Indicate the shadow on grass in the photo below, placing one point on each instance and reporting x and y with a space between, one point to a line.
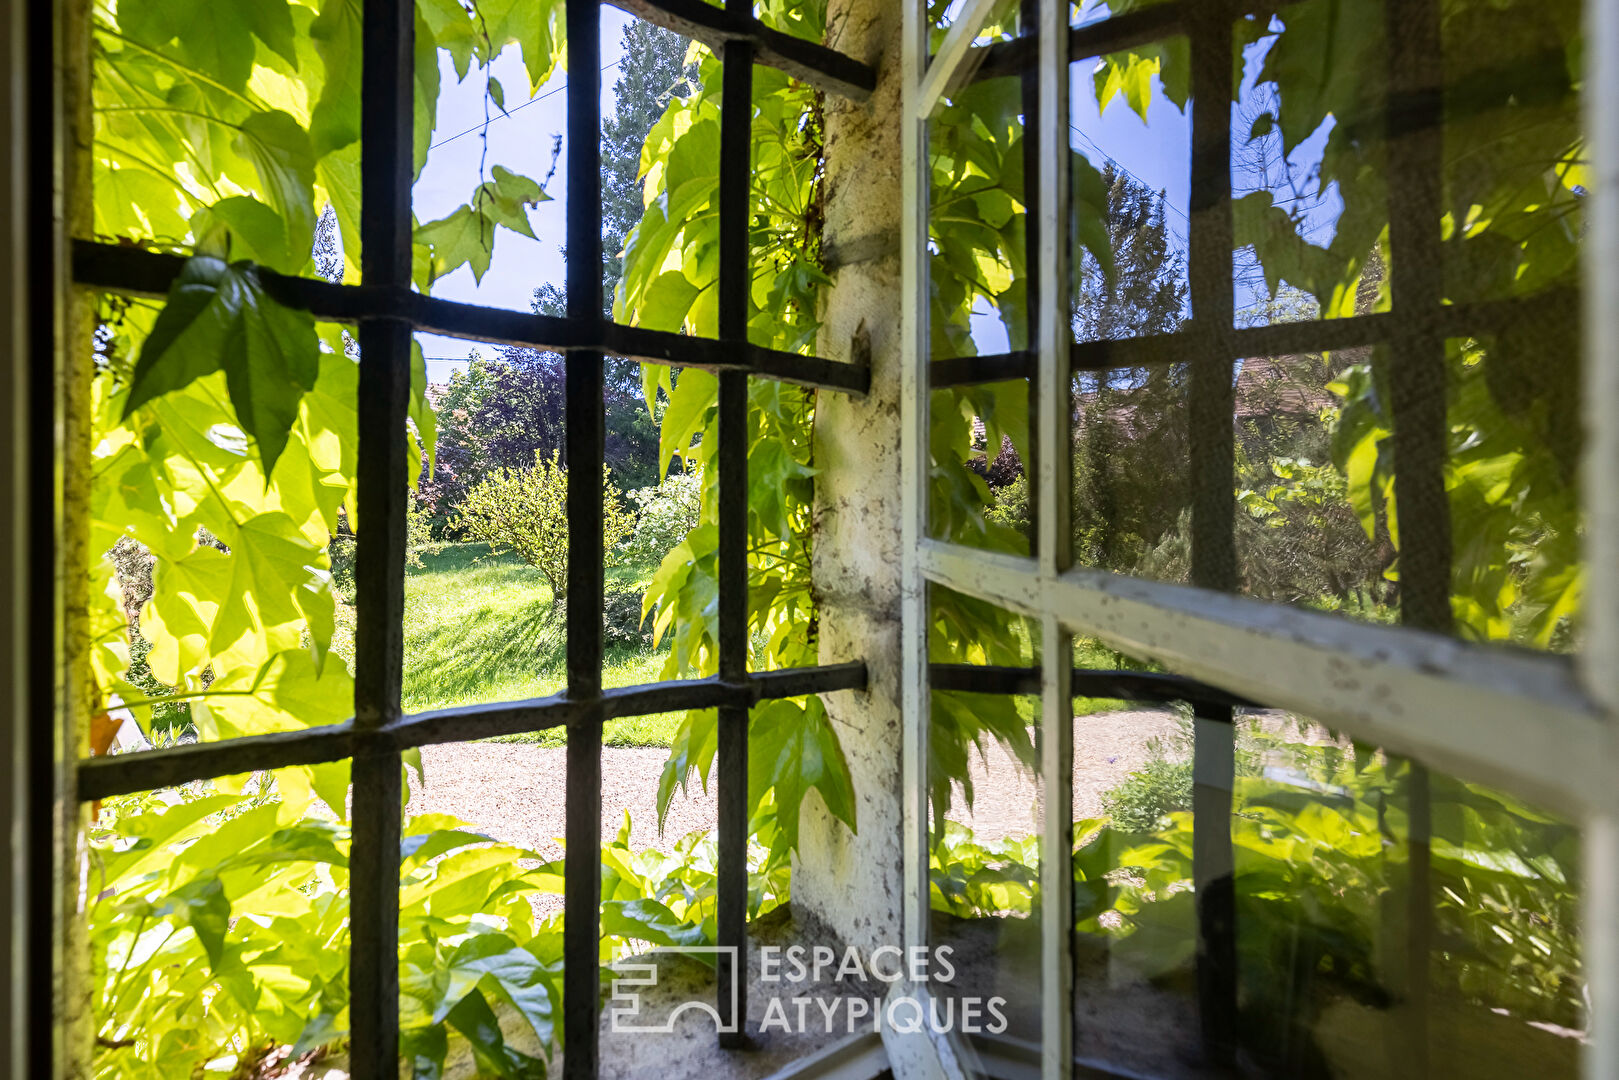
462 660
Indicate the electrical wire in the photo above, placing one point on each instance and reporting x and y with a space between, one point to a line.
507 112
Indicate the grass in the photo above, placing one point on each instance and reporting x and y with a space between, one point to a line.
482 628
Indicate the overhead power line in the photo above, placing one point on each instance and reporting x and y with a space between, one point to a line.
507 112
1120 166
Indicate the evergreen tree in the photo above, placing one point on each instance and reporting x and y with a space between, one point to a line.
1130 475
654 68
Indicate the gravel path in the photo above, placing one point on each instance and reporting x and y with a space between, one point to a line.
514 792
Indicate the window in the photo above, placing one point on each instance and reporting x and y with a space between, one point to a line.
387 310
1436 687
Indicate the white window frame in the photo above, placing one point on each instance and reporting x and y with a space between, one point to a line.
1538 724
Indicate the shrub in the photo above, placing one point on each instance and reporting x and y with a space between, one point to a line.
526 511
664 515
621 618
1160 787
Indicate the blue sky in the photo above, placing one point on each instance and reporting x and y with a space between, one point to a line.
522 142
1156 152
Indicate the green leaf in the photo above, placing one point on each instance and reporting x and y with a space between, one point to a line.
337 32
505 200
792 748
497 94
648 920
202 905
244 228
466 236
280 152
219 318
476 1022
214 36
695 394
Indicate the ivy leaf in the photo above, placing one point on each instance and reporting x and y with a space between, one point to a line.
466 236
497 94
505 199
213 36
694 395
451 30
280 152
219 318
425 90
203 906
244 227
335 120
792 748
535 25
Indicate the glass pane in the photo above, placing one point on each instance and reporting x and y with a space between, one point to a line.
1515 156
1304 535
206 140
220 521
1309 164
1130 133
979 490
1132 472
977 221
1338 972
1135 905
985 799
1511 475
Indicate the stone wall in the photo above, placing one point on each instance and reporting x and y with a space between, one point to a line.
852 884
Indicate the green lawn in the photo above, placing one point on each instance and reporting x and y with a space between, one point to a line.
481 628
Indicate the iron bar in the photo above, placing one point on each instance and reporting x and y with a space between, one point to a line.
1214 878
1150 686
44 791
1276 339
136 272
719 28
1414 114
1035 316
581 926
1138 27
731 765
1211 418
123 774
386 172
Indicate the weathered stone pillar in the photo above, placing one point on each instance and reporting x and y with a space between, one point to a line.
853 883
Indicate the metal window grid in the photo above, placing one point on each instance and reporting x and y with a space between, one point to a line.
1537 723
387 311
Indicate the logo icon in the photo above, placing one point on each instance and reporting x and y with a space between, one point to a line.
624 1012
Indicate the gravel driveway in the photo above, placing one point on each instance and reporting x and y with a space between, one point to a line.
514 792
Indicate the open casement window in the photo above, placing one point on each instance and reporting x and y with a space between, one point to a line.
382 311
1276 358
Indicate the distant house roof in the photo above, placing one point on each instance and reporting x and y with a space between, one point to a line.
1282 386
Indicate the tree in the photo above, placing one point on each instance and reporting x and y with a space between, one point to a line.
653 70
526 511
507 408
495 415
1142 288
